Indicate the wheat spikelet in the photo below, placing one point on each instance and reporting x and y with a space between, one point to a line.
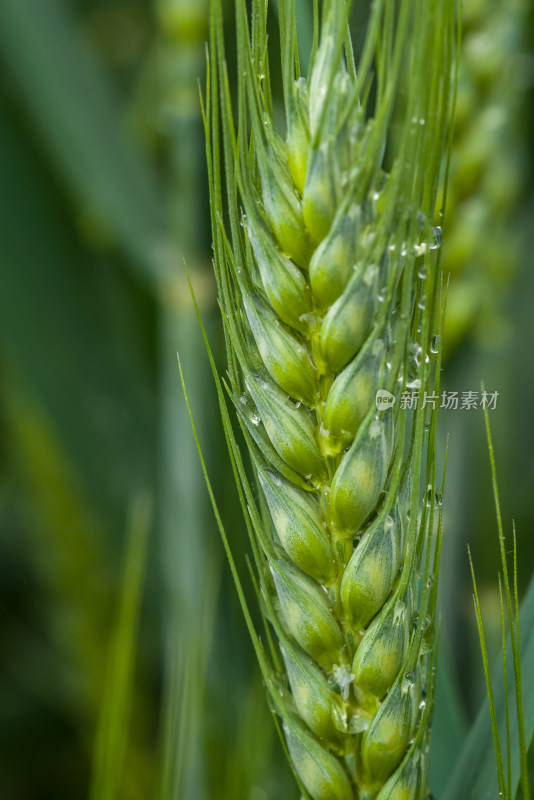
326 268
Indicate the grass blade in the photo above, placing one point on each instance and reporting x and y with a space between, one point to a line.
513 622
491 701
475 775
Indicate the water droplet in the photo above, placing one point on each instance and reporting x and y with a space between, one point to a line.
358 722
409 681
399 610
434 497
255 419
415 384
434 347
418 356
437 235
422 273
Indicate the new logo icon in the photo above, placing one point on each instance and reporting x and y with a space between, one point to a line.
384 399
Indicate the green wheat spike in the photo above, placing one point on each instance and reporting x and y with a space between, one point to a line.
327 270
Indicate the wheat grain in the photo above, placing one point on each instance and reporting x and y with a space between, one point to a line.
328 291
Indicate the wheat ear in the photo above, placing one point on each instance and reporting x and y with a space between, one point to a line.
326 269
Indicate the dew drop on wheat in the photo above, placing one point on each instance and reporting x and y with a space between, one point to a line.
409 681
433 497
434 347
418 356
437 236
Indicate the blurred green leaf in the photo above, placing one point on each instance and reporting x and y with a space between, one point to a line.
74 334
75 116
112 735
449 724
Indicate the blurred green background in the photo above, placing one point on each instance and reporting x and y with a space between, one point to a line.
125 668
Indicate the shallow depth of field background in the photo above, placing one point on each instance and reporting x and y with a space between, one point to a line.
102 196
